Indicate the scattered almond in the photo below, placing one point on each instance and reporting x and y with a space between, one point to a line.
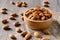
3 12
4 9
27 36
4 21
12 18
12 36
13 14
18 30
44 38
11 2
23 33
18 4
46 32
16 23
22 17
5 27
45 5
37 34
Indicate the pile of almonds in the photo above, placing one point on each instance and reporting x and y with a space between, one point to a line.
38 13
19 4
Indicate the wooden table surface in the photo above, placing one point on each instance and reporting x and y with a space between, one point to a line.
54 28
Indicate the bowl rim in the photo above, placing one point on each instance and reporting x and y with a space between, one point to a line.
39 20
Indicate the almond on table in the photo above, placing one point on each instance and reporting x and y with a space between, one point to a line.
12 36
4 9
11 2
4 21
5 27
46 2
44 38
45 5
37 34
23 33
18 4
12 18
18 30
13 14
28 36
3 12
24 4
22 17
47 32
16 23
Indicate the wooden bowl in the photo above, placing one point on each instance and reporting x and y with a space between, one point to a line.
38 25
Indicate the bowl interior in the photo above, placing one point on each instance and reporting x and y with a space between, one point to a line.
40 20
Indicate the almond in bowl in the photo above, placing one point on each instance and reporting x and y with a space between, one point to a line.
38 18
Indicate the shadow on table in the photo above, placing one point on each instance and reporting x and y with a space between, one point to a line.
55 28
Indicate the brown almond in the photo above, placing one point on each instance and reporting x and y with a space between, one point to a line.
12 18
43 9
5 27
16 23
4 21
27 36
11 2
18 4
33 18
12 36
44 38
43 18
28 13
22 17
3 12
30 16
35 14
46 2
46 32
48 15
21 14
4 9
23 5
41 14
23 33
37 34
45 12
45 5
13 14
18 30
